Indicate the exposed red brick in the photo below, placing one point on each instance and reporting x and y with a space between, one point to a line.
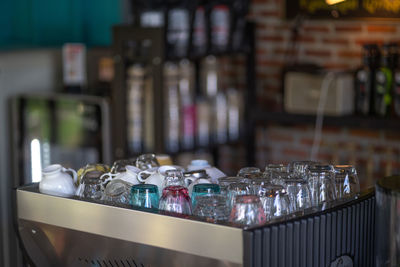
279 137
307 141
306 39
364 133
381 28
331 130
392 136
319 29
273 38
350 54
298 153
362 41
349 28
283 51
267 13
335 41
269 62
318 53
336 66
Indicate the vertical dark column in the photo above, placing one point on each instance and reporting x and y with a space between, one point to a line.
250 98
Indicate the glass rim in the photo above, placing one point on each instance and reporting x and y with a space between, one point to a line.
144 188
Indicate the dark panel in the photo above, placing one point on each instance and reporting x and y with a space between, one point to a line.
282 245
344 231
267 247
353 231
248 249
274 246
349 227
316 241
339 228
362 234
289 244
334 236
328 238
322 232
303 243
357 236
296 244
258 248
310 240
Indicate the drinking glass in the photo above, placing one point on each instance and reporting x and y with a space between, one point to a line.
92 171
237 189
119 165
147 161
321 182
299 168
175 198
279 178
346 181
247 211
249 172
173 177
274 168
117 191
226 181
212 207
203 189
256 184
298 193
90 187
144 195
275 201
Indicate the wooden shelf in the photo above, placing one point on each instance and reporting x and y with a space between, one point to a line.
351 121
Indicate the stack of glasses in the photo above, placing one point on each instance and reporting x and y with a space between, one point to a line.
251 198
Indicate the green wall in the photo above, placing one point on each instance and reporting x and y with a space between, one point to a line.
45 23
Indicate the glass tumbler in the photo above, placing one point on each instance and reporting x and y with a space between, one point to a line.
117 191
226 181
298 193
274 168
92 171
237 189
203 189
321 183
248 211
249 172
346 181
147 161
144 196
175 198
90 187
119 165
212 207
275 201
173 177
299 168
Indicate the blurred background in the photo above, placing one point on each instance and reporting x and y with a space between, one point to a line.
239 83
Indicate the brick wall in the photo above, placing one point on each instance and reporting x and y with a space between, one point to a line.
333 44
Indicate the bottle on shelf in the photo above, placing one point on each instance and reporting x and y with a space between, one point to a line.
178 32
220 20
74 67
383 83
365 79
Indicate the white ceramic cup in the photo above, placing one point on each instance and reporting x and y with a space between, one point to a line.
57 182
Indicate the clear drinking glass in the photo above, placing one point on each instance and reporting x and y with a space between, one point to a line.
298 193
173 177
279 178
203 189
256 184
147 161
212 207
321 183
117 191
346 181
272 168
237 189
175 198
247 211
90 187
144 195
92 171
226 181
119 165
275 201
299 168
249 172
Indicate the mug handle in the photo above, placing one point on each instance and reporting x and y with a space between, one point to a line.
110 176
73 174
139 176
